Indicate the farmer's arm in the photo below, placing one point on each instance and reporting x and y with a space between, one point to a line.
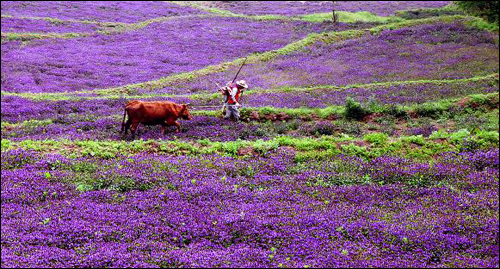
223 90
233 93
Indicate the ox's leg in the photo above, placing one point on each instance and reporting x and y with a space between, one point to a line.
176 123
163 130
171 122
133 128
123 121
127 125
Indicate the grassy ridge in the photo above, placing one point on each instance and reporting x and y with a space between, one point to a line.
493 78
368 146
344 16
350 17
290 48
106 28
31 36
373 145
428 109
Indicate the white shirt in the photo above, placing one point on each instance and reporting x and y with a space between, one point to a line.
233 92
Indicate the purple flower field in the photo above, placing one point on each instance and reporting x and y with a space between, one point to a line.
291 8
103 11
158 50
259 217
43 26
380 150
419 53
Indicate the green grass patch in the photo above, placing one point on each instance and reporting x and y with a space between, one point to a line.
32 36
343 16
413 23
350 17
422 13
379 144
27 124
484 25
376 138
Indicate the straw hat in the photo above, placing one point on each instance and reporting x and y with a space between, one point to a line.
242 83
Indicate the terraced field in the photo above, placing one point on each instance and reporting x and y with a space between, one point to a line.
368 143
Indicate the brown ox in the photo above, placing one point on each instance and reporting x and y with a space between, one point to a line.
153 113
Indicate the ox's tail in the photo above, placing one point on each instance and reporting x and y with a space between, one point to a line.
123 121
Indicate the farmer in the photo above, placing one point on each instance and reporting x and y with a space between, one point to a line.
232 92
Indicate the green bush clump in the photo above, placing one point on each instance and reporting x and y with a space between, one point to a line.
249 133
5 144
324 128
489 101
414 139
354 150
427 13
376 138
432 110
354 109
476 140
397 111
485 9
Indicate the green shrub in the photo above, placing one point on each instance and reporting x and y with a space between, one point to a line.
485 9
5 144
488 137
482 24
263 147
432 110
376 138
427 13
415 139
397 111
373 105
354 150
459 136
470 122
354 109
280 127
294 124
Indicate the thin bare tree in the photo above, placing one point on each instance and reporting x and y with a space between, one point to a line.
335 17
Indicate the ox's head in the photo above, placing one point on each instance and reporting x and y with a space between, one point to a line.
185 112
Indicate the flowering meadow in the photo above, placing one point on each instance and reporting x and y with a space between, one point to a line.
157 50
290 8
372 142
434 51
99 11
